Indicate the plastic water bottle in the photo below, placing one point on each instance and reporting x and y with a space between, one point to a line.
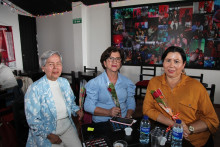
145 130
177 135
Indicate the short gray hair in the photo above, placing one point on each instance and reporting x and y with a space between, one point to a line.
46 55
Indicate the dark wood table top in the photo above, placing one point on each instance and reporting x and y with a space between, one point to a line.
105 130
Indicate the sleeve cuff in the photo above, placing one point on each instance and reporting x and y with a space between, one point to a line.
211 128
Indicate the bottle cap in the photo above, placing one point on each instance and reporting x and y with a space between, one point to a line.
178 121
145 117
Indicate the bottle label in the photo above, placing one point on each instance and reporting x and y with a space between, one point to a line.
177 135
145 130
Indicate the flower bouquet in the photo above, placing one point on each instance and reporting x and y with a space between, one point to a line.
111 89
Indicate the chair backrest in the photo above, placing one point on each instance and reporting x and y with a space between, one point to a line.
200 78
33 75
69 76
82 76
151 71
86 77
72 77
90 69
211 91
17 72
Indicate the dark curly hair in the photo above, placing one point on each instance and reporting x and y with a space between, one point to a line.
107 53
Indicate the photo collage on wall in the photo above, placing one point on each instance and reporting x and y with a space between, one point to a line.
145 32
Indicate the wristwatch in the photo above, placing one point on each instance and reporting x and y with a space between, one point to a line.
191 129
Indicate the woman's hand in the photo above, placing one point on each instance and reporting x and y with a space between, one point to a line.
80 114
54 139
115 111
129 113
186 131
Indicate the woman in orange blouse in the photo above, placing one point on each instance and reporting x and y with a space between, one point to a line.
184 95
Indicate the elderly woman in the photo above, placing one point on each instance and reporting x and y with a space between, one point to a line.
184 95
99 101
49 103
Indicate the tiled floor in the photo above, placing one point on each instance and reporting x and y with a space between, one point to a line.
138 113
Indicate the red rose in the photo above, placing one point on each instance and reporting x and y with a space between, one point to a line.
159 92
155 94
109 89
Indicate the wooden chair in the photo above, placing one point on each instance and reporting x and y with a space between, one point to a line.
70 75
148 72
211 91
200 78
85 76
33 75
17 72
90 69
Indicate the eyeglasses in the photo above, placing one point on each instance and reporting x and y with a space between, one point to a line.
52 65
117 59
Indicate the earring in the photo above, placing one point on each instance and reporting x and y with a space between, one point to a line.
183 72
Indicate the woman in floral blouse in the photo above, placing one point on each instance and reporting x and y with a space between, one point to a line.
49 103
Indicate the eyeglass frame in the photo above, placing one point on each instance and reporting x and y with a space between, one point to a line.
112 59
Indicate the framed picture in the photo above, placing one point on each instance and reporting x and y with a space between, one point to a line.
7 46
144 32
